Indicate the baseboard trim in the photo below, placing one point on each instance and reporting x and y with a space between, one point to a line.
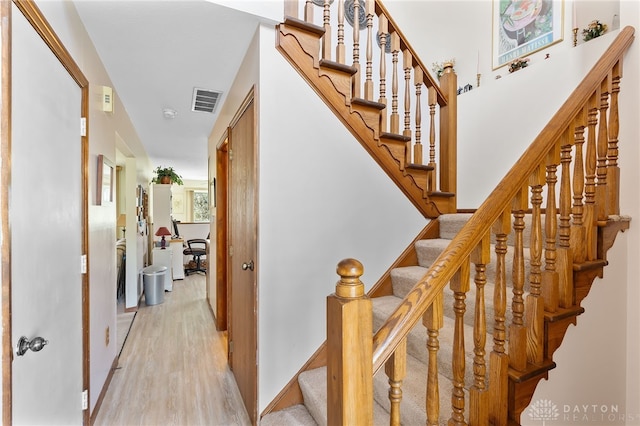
103 392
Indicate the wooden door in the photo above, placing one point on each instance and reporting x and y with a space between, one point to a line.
242 259
47 233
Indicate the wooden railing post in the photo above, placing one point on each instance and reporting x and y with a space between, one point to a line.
349 349
449 131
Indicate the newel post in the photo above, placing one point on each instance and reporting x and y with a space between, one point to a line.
349 349
449 132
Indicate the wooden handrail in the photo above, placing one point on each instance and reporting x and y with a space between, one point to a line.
410 311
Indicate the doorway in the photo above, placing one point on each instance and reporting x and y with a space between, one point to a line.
237 249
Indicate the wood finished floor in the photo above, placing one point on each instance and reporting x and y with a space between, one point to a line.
173 368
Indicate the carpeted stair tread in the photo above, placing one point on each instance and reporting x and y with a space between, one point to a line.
404 278
313 384
450 224
429 250
297 415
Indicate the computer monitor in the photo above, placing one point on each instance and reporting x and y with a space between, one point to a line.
175 229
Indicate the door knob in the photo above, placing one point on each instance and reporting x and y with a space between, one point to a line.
246 266
35 345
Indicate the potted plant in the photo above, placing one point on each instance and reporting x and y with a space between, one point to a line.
166 175
595 29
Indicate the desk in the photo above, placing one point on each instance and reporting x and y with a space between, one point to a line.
177 264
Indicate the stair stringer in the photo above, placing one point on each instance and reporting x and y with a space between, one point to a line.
522 385
298 42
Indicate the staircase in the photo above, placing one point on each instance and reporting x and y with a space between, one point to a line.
313 382
465 323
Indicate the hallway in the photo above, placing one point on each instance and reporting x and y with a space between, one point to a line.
173 369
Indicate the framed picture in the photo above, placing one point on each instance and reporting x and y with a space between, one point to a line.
522 27
104 188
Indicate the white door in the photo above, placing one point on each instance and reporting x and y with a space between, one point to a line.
46 232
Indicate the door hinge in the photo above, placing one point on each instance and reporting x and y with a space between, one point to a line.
231 346
83 126
230 250
230 154
85 399
83 264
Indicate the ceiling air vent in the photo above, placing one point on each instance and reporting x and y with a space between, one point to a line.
205 100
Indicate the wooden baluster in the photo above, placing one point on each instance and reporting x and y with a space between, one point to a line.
565 255
432 139
499 360
613 171
433 320
478 394
534 305
589 217
603 143
291 8
418 79
460 286
383 32
341 56
517 329
408 65
368 83
549 283
577 240
355 80
326 37
308 11
396 370
349 349
601 162
395 50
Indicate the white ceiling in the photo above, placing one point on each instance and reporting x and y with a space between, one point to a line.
156 53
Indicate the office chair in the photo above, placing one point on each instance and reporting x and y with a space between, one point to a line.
197 248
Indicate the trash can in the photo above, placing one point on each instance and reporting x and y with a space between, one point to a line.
153 280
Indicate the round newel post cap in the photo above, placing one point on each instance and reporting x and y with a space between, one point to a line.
447 67
350 286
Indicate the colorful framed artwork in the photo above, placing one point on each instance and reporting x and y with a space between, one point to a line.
522 27
104 188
